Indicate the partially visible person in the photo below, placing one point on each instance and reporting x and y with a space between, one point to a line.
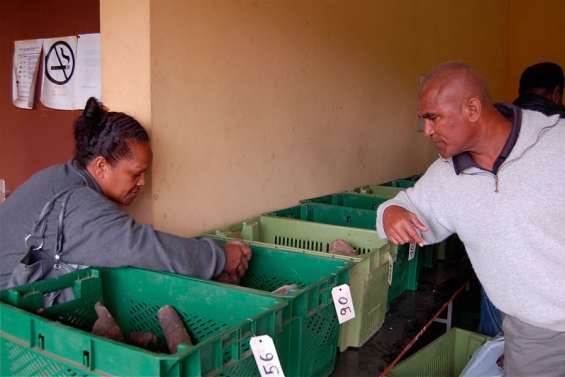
485 186
541 89
69 216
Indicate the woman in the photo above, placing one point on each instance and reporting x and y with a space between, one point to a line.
68 216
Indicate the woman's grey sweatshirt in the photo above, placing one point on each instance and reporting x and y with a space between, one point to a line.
96 231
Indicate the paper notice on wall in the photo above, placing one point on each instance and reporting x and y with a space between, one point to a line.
57 85
87 80
24 71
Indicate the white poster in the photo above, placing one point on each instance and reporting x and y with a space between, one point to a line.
87 80
24 71
59 63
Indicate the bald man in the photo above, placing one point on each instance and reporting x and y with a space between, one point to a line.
499 183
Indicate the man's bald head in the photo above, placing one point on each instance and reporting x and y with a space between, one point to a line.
455 81
454 105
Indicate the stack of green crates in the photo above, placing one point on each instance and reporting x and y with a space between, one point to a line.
359 210
367 278
220 320
310 330
405 272
447 356
403 182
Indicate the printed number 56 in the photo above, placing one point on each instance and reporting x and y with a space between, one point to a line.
272 369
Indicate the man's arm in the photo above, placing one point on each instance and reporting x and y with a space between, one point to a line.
415 215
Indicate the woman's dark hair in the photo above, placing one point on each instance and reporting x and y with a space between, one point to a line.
99 132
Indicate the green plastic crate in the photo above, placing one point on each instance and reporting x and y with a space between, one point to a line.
330 214
348 199
405 272
220 320
447 356
429 253
367 278
387 192
309 348
403 182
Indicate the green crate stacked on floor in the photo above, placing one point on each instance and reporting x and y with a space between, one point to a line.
220 320
359 210
310 329
447 356
368 277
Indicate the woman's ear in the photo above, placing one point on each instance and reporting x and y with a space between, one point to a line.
99 167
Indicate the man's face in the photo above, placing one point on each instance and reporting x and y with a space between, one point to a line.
123 180
444 121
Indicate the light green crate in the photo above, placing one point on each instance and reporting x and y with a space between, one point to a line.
444 357
368 277
387 192
310 329
221 320
406 272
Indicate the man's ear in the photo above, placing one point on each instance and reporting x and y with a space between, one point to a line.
472 109
557 95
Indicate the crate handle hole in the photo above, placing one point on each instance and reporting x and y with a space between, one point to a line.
86 358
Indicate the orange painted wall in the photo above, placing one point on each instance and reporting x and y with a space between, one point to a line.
258 104
536 33
34 139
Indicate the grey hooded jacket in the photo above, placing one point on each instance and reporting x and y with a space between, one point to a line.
96 232
512 223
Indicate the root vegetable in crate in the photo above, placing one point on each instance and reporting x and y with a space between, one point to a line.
283 290
106 326
172 325
173 328
342 247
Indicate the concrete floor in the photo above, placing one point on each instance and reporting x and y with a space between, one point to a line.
410 312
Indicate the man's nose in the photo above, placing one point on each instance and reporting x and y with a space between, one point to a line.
141 180
428 128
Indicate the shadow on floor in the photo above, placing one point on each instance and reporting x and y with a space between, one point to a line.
410 312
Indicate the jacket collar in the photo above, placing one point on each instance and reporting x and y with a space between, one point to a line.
85 176
464 160
533 125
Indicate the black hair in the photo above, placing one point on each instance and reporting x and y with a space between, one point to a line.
99 132
544 75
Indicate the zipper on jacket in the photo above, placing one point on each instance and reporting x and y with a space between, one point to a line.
488 173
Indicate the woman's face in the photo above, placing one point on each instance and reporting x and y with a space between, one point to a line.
122 181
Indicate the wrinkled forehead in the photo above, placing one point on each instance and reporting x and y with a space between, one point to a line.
427 99
437 95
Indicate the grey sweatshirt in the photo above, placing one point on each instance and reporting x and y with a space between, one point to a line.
96 231
512 223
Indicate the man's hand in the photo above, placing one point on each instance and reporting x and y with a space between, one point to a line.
402 226
238 254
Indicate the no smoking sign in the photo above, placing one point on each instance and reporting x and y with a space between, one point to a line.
60 63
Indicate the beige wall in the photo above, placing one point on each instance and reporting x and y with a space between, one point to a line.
126 74
254 105
536 33
257 104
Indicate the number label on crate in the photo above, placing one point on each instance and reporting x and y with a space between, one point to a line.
390 269
343 303
265 355
411 251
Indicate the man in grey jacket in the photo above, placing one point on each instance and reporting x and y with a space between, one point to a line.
69 216
498 184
